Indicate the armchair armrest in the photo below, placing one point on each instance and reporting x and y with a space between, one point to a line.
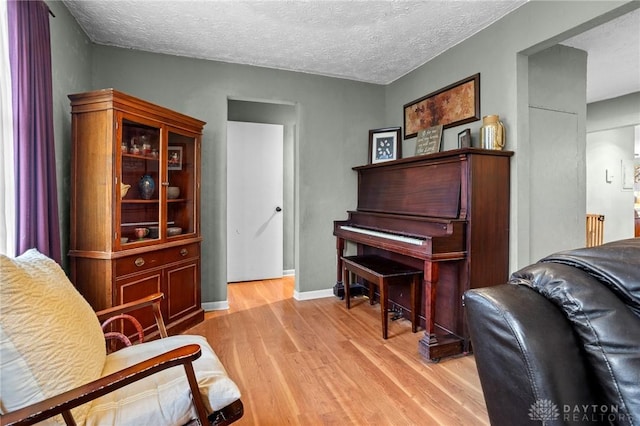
152 300
63 403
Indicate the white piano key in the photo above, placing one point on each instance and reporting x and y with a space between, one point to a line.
387 235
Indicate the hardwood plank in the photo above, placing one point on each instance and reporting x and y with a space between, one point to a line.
316 363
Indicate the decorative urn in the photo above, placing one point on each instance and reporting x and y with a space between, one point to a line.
146 186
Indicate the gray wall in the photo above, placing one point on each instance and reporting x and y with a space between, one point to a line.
269 113
608 151
501 53
557 114
614 113
71 73
612 127
333 118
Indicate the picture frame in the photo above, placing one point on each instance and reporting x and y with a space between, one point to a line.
464 138
384 145
174 158
456 104
429 140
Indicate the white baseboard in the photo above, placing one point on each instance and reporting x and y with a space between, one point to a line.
215 306
288 272
310 295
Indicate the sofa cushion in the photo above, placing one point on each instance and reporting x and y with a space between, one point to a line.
163 398
51 340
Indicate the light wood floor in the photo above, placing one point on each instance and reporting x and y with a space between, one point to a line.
315 363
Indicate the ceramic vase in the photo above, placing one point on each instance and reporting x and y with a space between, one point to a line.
146 186
492 133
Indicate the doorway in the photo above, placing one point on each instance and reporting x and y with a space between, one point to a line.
254 201
284 114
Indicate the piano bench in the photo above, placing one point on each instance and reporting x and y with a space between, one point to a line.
382 272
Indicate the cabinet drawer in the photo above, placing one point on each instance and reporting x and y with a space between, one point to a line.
175 254
153 259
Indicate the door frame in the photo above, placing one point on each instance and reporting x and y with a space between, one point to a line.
292 173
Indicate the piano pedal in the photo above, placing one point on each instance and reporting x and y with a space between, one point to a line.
397 313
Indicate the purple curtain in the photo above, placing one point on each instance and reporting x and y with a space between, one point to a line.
37 223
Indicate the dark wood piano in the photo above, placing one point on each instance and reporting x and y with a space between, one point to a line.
445 213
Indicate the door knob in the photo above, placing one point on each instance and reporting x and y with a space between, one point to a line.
278 209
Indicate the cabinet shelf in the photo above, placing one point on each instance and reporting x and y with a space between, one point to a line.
140 156
140 201
155 200
145 223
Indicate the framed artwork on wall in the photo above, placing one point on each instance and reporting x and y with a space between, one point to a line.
456 104
384 145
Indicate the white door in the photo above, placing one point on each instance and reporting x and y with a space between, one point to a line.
254 201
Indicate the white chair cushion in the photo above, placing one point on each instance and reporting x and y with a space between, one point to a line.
50 338
163 398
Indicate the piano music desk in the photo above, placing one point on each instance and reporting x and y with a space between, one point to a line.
382 272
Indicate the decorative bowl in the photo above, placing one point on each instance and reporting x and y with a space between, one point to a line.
173 230
173 192
124 240
154 232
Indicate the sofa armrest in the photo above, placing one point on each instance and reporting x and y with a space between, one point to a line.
526 353
63 403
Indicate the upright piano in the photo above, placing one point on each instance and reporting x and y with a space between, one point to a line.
445 213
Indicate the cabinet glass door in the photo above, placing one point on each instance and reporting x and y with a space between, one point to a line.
140 182
181 187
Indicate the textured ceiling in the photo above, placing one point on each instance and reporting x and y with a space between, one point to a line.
370 41
375 41
613 61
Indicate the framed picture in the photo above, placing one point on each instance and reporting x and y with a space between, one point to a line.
456 104
175 158
429 140
464 138
384 145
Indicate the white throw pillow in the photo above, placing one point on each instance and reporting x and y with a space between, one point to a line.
51 340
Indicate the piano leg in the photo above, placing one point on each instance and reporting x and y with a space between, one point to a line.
347 286
431 347
338 289
430 282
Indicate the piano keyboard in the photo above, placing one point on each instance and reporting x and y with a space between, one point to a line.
395 237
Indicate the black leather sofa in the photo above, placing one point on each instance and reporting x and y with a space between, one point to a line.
560 343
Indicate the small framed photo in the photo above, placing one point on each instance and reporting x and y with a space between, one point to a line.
384 145
429 140
175 158
464 138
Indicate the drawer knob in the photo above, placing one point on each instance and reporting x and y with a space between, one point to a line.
139 261
184 252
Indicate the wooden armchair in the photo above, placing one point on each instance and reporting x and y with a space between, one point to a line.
53 360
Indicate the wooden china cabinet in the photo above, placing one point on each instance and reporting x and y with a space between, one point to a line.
132 232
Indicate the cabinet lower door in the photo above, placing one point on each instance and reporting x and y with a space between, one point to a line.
136 287
183 290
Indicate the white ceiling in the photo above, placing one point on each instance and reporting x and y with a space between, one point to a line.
370 41
376 41
613 61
